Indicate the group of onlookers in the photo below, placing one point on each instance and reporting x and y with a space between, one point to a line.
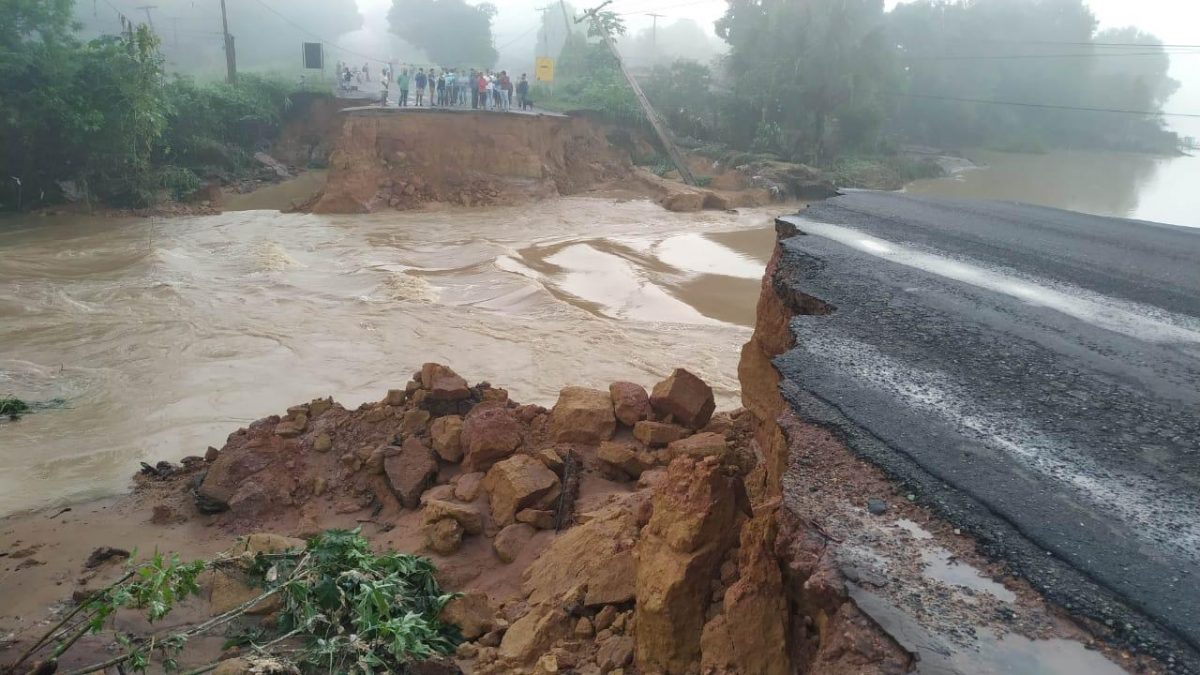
452 87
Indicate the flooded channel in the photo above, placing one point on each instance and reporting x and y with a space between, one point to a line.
164 335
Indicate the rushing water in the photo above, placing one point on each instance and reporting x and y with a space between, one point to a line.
164 335
1125 185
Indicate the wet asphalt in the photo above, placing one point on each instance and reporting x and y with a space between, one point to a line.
1031 374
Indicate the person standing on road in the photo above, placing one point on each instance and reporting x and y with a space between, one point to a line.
473 83
441 89
522 91
507 89
419 81
432 87
367 71
402 84
482 89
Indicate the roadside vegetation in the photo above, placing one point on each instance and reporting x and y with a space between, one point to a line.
101 121
341 609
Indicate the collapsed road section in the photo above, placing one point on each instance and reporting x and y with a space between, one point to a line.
1031 375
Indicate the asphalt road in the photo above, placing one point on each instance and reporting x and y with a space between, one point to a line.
1034 375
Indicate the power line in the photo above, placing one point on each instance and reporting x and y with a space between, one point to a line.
514 40
1045 106
1008 57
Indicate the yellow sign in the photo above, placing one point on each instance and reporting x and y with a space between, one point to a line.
543 69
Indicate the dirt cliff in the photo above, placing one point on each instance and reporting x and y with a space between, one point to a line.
401 160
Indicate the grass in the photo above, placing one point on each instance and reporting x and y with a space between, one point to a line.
888 172
13 407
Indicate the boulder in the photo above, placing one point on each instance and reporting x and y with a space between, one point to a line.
658 434
700 446
322 443
511 540
616 652
541 519
533 634
517 483
597 554
679 555
468 485
489 434
443 384
624 459
466 515
395 397
443 536
229 586
685 397
630 402
583 416
551 458
445 434
411 471
473 613
437 493
414 421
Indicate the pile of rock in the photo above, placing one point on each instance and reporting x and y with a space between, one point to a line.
638 580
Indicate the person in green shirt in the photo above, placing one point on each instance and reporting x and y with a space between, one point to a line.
402 82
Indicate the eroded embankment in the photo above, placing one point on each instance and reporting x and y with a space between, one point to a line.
404 159
859 551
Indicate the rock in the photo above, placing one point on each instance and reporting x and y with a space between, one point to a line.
436 493
542 520
551 458
468 516
630 402
546 665
234 666
624 459
679 554
658 434
604 618
877 507
533 634
597 554
492 639
395 397
489 434
443 384
584 628
511 540
616 652
583 416
211 454
517 483
528 413
750 635
411 471
700 446
467 487
466 650
443 536
229 586
292 427
277 167
685 397
414 422
319 406
102 555
445 434
473 613
375 461
322 443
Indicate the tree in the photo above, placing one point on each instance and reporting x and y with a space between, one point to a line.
451 32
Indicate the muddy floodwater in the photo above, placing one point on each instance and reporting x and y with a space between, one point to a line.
164 335
1122 185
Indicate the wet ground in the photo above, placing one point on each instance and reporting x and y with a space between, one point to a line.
1030 374
163 335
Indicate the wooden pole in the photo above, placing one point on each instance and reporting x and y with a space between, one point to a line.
660 129
230 52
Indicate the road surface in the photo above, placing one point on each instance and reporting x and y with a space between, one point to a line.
1034 375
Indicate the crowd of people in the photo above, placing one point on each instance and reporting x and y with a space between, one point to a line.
450 87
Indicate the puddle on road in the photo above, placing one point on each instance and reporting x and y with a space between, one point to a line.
941 564
1017 654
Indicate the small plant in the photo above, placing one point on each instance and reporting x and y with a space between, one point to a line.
344 610
13 407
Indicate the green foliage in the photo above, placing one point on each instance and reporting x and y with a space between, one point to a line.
359 612
451 32
12 407
880 172
606 23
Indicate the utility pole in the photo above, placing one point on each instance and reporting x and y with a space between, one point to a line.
146 9
660 129
566 19
654 30
230 52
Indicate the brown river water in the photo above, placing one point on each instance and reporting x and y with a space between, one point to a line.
164 335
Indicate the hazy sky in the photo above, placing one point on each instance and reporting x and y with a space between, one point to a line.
1173 21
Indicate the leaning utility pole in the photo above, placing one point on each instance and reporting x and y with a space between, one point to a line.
654 30
230 53
659 129
146 9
